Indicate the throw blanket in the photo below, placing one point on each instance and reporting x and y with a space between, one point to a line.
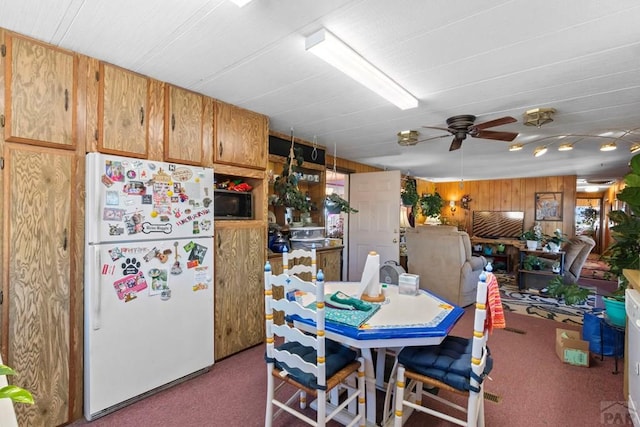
495 316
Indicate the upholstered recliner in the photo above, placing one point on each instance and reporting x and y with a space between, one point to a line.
576 249
441 255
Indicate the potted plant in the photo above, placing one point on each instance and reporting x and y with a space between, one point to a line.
285 186
623 252
532 237
336 204
554 242
409 193
431 204
569 292
13 392
531 262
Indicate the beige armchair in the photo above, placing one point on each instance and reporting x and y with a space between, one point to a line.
441 255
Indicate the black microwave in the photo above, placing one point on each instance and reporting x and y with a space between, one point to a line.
232 205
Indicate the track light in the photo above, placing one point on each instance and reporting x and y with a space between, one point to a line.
334 51
565 147
608 146
634 148
516 147
539 151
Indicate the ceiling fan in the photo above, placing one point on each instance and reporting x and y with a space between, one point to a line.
460 127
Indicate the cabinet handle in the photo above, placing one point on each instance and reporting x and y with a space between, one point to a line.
173 121
2 120
64 240
219 242
220 149
141 116
66 100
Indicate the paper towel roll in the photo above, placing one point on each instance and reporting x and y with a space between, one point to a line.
370 282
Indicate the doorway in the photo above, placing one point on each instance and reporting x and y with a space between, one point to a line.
588 220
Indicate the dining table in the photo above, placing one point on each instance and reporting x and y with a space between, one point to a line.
420 318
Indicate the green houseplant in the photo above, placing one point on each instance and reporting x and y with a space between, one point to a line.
431 204
336 204
285 186
569 292
13 392
409 193
623 252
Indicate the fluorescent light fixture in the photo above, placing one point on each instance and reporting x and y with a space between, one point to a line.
240 3
539 151
332 50
608 146
634 148
565 147
516 147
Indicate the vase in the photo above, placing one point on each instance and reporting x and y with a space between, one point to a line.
288 215
532 245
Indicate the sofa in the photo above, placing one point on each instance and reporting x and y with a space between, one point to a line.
441 256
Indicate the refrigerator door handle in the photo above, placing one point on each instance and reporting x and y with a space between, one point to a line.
96 295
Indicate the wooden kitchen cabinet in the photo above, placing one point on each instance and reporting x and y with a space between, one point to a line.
123 112
186 123
240 137
41 321
239 286
330 262
40 93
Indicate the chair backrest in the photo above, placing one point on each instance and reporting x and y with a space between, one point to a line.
577 250
303 263
479 352
292 307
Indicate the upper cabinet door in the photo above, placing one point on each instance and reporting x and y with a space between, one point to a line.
184 126
41 95
241 137
123 112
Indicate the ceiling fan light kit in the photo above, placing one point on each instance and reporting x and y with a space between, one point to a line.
538 116
516 147
539 151
565 147
634 148
408 137
335 52
608 146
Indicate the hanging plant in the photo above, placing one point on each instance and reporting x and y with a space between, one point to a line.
286 185
431 204
409 193
336 204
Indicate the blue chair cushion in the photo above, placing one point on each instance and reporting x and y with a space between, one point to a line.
337 357
449 362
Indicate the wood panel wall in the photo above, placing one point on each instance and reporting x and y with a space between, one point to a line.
509 195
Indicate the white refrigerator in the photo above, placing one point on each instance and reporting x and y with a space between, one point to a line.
148 289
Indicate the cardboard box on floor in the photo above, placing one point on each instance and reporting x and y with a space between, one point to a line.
571 349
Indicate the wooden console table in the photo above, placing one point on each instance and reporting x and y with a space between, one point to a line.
512 249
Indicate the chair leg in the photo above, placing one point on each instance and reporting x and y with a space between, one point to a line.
388 406
362 407
303 400
268 417
399 397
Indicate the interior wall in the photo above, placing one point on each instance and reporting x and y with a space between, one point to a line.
509 195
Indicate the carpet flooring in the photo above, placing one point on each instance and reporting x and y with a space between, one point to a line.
531 303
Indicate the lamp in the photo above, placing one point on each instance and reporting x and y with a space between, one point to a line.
634 148
565 147
404 219
538 116
608 146
540 150
334 51
516 147
452 205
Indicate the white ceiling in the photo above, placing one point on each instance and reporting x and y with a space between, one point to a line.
489 58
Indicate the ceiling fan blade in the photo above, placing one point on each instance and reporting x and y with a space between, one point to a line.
497 122
500 136
457 143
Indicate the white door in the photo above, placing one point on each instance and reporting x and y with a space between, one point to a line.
376 226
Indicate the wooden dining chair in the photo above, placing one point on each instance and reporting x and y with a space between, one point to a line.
300 262
457 365
305 359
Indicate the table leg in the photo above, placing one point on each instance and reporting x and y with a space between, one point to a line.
370 392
